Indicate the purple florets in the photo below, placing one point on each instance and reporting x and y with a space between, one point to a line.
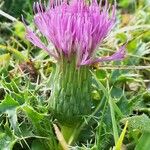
75 29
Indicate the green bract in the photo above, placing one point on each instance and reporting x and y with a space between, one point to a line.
71 91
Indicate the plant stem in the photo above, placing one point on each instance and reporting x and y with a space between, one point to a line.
114 124
67 132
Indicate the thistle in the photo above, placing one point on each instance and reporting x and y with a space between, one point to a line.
76 29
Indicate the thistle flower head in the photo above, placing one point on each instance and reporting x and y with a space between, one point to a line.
75 28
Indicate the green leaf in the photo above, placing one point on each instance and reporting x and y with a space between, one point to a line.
4 59
19 29
132 46
18 55
144 142
124 3
141 123
101 74
32 114
116 92
6 142
122 37
120 140
8 104
37 145
100 85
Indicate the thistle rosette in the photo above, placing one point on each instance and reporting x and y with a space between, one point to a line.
76 29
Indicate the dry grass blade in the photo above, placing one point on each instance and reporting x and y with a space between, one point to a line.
7 16
60 138
124 67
